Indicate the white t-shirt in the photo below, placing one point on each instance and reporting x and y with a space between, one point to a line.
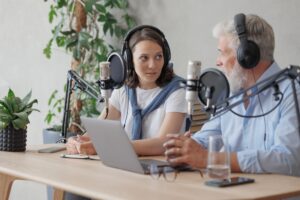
152 121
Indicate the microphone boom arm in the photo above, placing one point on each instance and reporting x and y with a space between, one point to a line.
292 73
73 77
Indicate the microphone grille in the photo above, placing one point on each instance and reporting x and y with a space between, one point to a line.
194 68
104 69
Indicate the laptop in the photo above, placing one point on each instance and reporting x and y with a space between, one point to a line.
114 147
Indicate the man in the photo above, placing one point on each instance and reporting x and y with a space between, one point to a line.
268 144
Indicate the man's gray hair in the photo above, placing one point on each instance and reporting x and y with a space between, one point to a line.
258 30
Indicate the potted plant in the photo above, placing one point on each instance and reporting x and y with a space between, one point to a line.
89 30
14 113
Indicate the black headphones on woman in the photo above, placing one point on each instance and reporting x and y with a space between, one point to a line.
126 51
248 53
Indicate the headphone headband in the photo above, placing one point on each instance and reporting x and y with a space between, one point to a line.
248 54
138 28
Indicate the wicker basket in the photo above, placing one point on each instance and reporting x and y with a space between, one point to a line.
13 140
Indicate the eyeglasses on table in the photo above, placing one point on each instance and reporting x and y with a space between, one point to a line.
168 172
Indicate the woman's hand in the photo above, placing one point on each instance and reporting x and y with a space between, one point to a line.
80 145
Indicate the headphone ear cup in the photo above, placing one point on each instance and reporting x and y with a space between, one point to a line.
248 55
128 59
167 53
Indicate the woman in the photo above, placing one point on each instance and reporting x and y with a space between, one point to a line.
151 104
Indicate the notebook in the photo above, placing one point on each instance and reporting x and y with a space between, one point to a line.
114 147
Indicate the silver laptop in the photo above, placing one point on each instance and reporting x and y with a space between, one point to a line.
114 147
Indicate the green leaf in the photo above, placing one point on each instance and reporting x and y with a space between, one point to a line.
61 3
3 125
100 8
5 107
22 115
102 18
52 97
112 3
119 31
52 14
60 41
84 41
89 5
47 49
84 36
76 54
12 102
26 99
110 18
5 117
33 109
49 117
19 123
11 95
101 57
57 103
105 28
18 105
29 105
123 4
71 42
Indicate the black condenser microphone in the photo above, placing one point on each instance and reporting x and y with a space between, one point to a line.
105 82
192 83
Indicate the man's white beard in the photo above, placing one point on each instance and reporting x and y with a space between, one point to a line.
237 78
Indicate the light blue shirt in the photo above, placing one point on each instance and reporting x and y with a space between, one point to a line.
269 144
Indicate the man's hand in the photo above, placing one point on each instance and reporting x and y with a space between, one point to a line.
181 149
80 145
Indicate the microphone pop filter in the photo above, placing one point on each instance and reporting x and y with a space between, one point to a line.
117 69
214 80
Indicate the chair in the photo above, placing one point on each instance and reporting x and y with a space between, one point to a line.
198 118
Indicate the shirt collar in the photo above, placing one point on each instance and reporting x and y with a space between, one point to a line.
273 69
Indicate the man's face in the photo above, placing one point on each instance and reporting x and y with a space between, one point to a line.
226 58
228 63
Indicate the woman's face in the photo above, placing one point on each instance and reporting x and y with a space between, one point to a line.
148 62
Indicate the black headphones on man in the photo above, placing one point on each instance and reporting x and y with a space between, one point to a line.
126 51
248 53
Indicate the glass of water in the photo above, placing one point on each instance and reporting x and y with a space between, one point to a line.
218 163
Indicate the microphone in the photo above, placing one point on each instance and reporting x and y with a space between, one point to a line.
209 92
105 82
112 75
277 92
192 82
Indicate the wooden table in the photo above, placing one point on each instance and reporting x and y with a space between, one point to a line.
93 179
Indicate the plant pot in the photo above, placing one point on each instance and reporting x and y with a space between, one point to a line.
51 136
12 139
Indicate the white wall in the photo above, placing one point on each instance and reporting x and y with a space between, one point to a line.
187 25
